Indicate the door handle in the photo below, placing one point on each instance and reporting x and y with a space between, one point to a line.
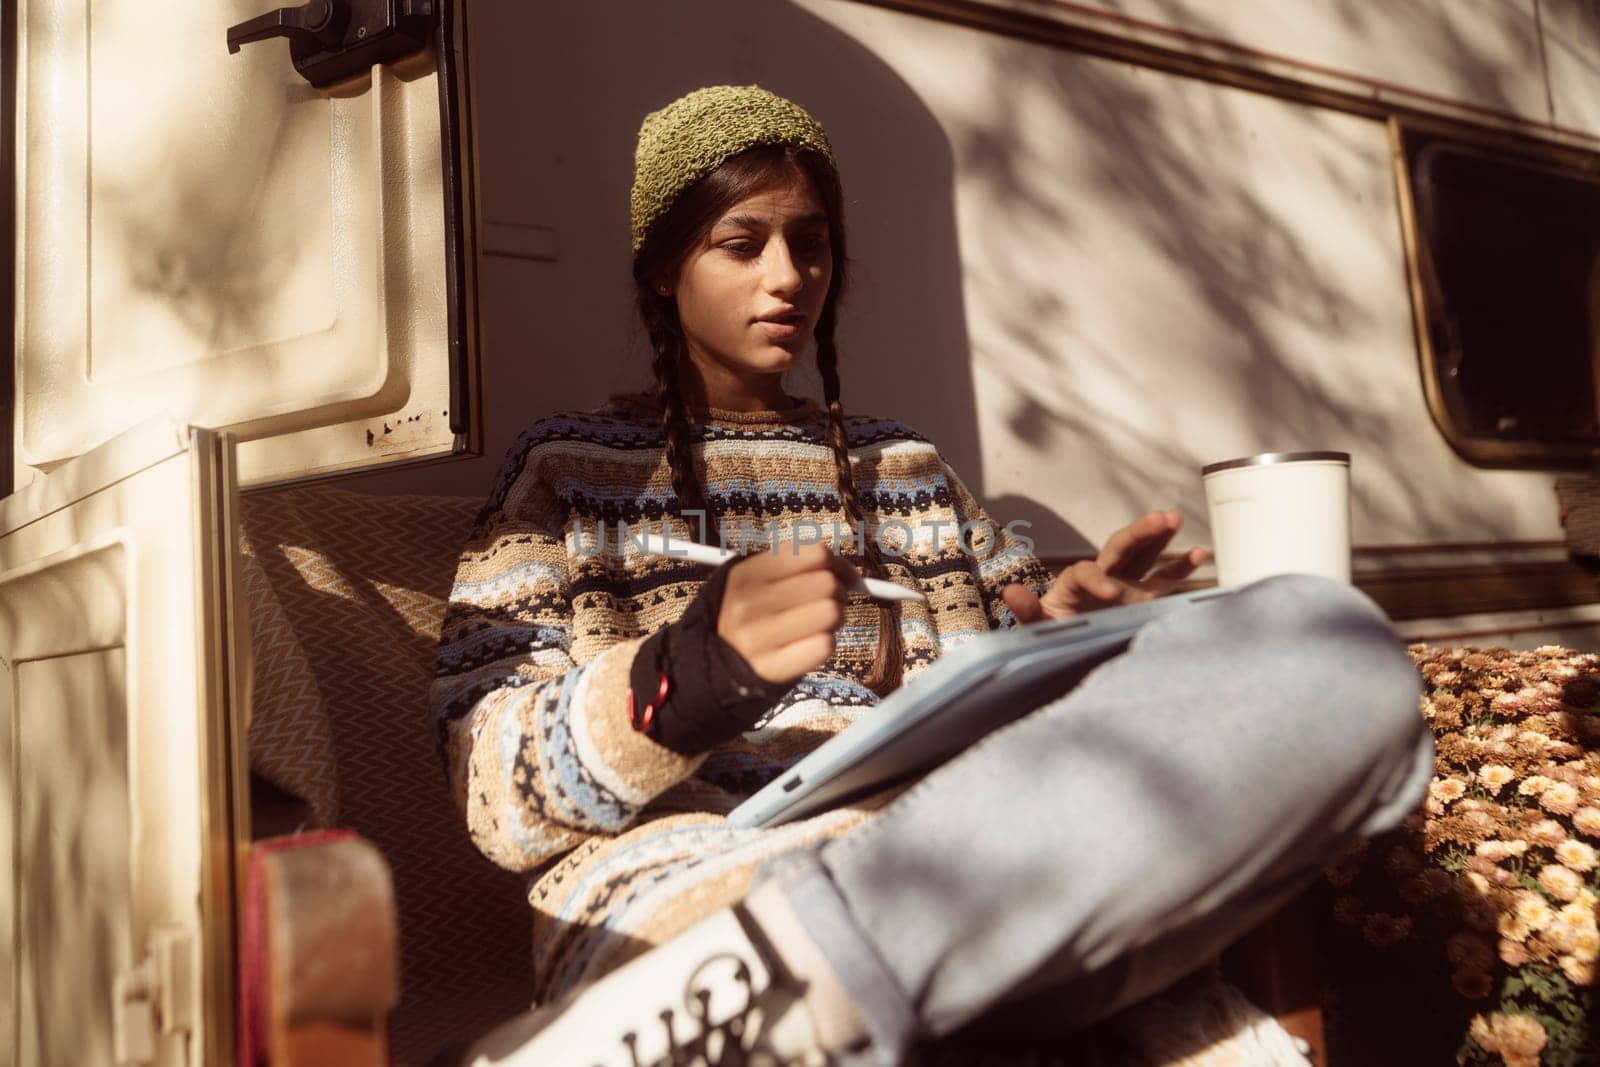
332 40
310 29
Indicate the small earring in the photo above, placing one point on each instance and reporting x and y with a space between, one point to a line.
661 289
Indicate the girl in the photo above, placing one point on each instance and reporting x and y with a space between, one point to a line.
602 709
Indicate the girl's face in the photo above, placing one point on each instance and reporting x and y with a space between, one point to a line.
750 292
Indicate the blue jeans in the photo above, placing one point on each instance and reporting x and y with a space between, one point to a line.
1105 845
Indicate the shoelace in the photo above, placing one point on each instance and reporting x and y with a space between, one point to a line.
734 1042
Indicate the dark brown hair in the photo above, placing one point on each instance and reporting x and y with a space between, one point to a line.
666 249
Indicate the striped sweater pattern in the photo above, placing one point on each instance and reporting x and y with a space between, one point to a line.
625 841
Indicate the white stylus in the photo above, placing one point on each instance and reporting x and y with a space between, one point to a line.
657 545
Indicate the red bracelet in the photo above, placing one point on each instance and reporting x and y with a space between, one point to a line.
642 720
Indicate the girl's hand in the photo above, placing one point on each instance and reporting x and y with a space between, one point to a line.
780 608
1120 574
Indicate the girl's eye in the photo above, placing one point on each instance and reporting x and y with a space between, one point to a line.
743 247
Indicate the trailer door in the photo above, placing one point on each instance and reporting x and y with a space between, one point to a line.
232 268
275 241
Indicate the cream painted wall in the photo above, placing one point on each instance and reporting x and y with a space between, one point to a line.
1082 279
1482 54
1572 51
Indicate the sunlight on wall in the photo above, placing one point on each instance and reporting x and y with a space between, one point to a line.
1158 273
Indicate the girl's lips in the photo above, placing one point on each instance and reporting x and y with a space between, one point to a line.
779 330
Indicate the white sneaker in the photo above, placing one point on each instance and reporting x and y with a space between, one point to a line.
709 997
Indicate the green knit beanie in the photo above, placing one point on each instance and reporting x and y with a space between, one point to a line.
693 135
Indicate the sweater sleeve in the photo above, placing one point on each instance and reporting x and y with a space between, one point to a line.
538 747
1000 553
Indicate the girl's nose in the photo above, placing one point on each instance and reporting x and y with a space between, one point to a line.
783 276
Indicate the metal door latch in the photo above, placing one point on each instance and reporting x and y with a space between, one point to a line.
154 997
331 40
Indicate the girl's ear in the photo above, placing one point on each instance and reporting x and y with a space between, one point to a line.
660 284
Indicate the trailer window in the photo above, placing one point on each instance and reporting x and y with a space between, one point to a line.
1505 258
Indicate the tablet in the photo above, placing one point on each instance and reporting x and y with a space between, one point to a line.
978 687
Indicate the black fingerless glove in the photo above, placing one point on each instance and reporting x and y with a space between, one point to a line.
713 694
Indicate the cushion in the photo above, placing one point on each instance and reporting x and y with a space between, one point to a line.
346 594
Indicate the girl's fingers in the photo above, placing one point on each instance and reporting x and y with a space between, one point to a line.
1087 581
1023 602
793 624
771 598
1177 570
1086 602
1134 549
783 560
780 611
1121 545
758 588
790 661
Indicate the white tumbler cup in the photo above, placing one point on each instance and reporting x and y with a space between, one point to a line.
1279 513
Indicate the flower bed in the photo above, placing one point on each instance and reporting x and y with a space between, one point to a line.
1469 934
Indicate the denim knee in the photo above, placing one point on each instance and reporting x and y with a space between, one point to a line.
1341 638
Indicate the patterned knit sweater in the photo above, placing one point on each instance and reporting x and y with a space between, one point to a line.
626 839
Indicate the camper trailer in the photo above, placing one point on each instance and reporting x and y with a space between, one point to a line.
286 284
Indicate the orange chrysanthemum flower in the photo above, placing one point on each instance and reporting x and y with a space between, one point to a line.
1576 855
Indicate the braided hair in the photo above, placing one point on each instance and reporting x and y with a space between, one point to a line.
887 664
667 355
664 251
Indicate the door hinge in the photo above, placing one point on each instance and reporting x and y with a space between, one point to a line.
154 998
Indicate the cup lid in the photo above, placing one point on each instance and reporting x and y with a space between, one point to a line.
1262 459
